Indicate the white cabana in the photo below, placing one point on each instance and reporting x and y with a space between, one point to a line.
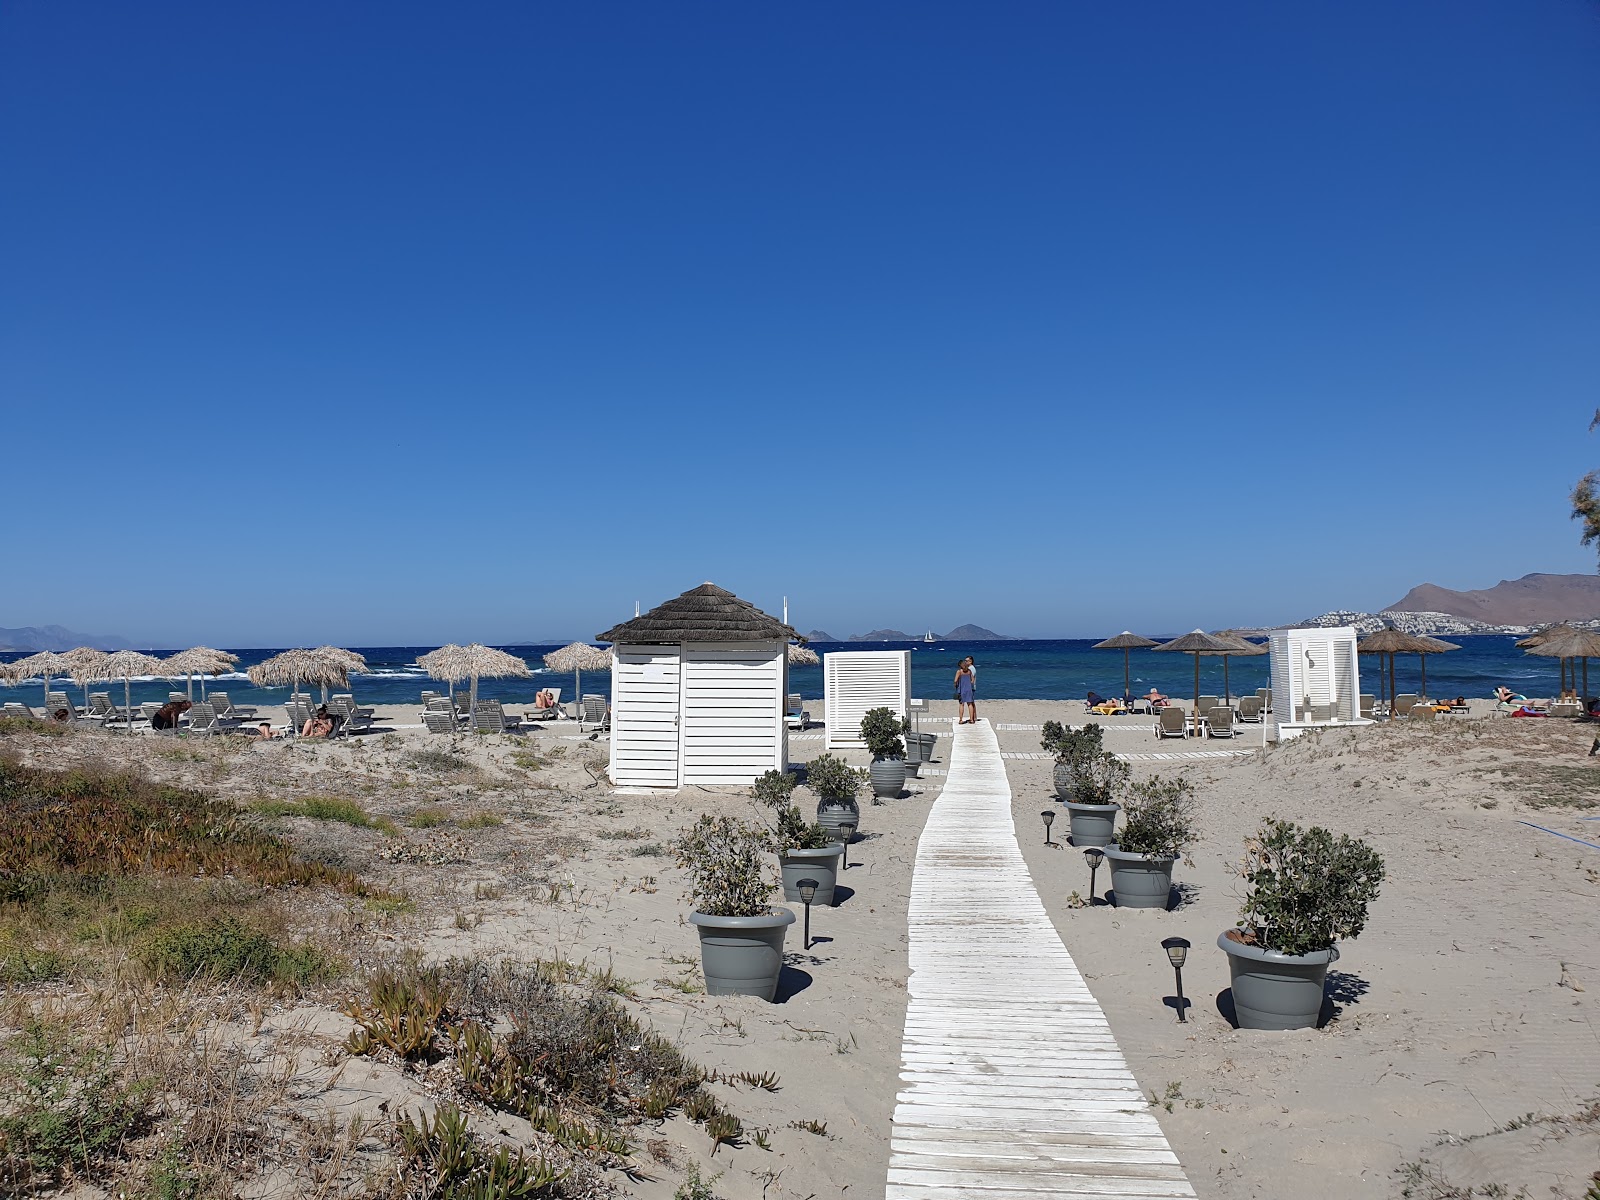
855 681
697 692
1316 679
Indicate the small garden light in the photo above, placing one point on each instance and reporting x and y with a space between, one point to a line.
1177 949
1048 815
849 830
1095 855
808 893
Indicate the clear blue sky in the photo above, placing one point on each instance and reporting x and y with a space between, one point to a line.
396 322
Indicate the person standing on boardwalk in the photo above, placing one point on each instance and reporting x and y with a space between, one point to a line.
965 698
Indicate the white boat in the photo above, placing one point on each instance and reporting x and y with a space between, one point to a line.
929 638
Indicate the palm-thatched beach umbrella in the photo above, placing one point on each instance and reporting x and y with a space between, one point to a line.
1391 641
1243 648
1198 643
83 665
1549 633
485 662
124 665
294 667
353 663
45 665
201 661
802 656
1125 642
1434 646
578 657
444 664
1570 643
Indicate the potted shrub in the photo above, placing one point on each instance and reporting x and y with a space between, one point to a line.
1305 890
806 852
741 935
1098 782
881 730
1157 828
836 784
1070 747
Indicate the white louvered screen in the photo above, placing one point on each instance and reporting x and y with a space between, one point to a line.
645 694
855 681
1283 676
732 713
1346 682
1316 658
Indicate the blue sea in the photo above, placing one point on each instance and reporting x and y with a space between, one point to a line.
1035 670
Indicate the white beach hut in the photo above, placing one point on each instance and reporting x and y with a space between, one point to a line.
697 692
855 681
1316 680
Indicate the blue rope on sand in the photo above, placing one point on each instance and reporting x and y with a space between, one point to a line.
1559 834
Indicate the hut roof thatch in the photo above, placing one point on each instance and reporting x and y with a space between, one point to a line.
1124 641
1199 642
1392 641
802 656
703 614
300 666
579 656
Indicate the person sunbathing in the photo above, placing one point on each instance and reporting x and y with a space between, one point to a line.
318 725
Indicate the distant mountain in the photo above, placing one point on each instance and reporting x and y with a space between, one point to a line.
54 637
975 633
884 635
1532 600
821 635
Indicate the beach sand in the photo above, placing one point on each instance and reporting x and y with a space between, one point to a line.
1464 1007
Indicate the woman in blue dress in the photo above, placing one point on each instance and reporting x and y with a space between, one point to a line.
966 701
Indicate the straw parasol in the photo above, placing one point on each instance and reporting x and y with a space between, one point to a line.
294 667
1549 633
1243 648
83 665
124 665
1570 643
1435 646
201 661
45 664
443 664
485 662
1125 642
802 656
578 657
1198 643
1391 641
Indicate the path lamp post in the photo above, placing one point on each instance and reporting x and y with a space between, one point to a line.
849 831
1048 815
808 892
1095 856
1177 949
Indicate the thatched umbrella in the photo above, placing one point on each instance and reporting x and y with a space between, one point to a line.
201 661
1434 646
485 662
444 664
353 663
1571 643
802 656
578 657
294 667
1198 643
1125 642
124 665
1243 647
83 663
1549 633
1391 641
44 664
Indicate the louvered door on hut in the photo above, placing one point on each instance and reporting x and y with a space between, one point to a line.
697 693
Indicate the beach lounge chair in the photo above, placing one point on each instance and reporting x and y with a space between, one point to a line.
354 707
1171 721
100 707
1219 723
552 710
1404 704
1266 698
1207 703
227 708
795 715
439 721
490 717
14 708
299 712
595 713
350 718
1369 704
54 702
206 721
1250 710
1421 712
426 696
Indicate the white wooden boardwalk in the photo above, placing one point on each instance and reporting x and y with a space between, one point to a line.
1012 1086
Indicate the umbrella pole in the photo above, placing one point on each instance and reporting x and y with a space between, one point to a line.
1391 685
127 702
1227 696
1127 678
1423 659
1197 694
473 699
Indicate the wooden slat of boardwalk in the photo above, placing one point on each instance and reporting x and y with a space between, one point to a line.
1012 1086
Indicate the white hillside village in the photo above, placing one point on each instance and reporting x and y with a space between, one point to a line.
1426 623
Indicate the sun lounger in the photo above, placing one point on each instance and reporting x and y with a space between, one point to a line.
55 702
552 713
299 712
354 707
206 721
14 708
439 722
1207 703
1404 704
1250 710
1421 712
426 696
795 715
349 718
1219 723
1171 721
1266 698
1368 704
595 713
227 708
490 717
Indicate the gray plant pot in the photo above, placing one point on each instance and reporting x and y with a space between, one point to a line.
913 750
928 740
1276 991
821 865
888 777
1066 783
1091 824
1139 880
742 956
831 814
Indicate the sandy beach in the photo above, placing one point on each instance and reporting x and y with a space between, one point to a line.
1461 1053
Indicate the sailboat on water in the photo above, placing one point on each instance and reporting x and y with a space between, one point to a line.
929 638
